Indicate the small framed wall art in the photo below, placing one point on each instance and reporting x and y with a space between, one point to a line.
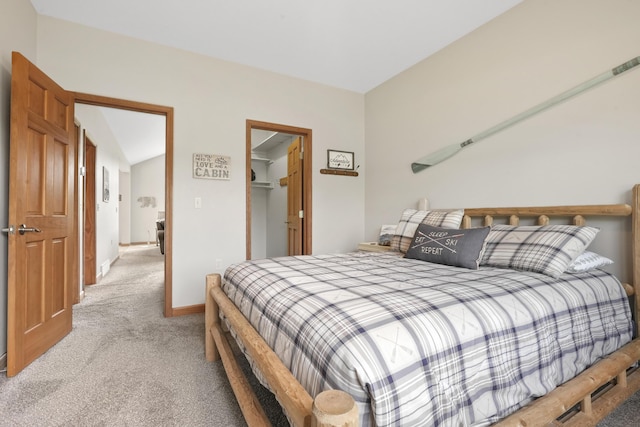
105 184
340 159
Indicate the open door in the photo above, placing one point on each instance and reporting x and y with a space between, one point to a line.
294 198
42 238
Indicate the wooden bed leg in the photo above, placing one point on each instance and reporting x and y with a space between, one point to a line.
211 317
622 379
586 407
334 408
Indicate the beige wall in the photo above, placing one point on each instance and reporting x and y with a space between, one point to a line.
584 151
17 33
212 100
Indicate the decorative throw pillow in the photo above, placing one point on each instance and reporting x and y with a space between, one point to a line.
460 248
411 218
386 233
588 261
546 249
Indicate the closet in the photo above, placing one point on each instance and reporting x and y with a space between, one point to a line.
269 193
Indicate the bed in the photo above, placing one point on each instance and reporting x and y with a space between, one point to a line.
565 354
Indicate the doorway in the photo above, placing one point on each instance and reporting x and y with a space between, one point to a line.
306 162
269 193
167 112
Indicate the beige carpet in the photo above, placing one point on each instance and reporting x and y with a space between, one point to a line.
124 364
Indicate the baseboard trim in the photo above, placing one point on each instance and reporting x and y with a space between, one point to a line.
190 309
152 243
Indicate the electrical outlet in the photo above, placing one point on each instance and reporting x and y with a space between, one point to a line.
198 202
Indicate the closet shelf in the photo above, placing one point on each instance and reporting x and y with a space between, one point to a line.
261 159
262 184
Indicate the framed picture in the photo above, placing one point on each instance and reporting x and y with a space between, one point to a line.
105 184
339 159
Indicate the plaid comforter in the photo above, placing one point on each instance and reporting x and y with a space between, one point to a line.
417 343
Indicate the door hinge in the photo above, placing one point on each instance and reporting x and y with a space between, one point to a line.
301 155
83 170
300 214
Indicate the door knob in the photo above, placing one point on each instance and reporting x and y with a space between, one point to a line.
24 229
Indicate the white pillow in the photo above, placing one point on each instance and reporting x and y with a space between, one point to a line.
588 261
386 233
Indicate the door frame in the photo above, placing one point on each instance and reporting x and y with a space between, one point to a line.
89 214
306 135
167 112
76 281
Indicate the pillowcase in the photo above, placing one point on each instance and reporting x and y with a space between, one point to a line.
588 261
459 248
386 232
546 249
411 218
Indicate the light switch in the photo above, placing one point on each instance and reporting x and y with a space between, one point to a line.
198 202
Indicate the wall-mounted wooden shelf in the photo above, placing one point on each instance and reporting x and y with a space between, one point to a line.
338 172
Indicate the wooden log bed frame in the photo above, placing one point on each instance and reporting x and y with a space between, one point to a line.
582 401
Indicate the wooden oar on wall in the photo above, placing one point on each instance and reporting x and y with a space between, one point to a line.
448 151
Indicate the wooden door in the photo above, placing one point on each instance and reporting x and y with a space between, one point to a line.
41 196
89 234
294 197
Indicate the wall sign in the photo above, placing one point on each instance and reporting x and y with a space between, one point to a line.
211 166
339 159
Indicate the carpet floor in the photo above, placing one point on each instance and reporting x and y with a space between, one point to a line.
124 364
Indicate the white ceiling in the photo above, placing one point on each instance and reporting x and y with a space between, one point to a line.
141 136
350 44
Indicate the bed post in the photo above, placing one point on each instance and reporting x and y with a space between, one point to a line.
635 255
211 318
334 408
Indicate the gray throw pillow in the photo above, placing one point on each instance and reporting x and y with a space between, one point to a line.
459 248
